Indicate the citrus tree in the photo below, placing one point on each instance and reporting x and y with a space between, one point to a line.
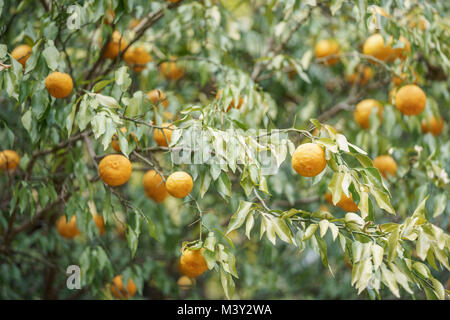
278 149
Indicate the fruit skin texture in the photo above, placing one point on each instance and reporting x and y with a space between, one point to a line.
410 100
192 263
117 43
325 48
137 58
9 160
154 186
115 170
364 109
433 125
345 203
119 291
179 184
386 165
374 46
66 229
308 160
160 135
232 104
170 70
21 53
59 84
158 97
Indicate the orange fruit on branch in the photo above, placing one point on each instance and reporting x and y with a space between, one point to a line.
59 84
118 290
410 100
386 165
374 46
9 160
192 263
171 70
162 136
157 96
116 45
66 229
308 160
21 53
115 169
364 109
327 48
433 125
115 139
154 186
137 58
179 184
345 203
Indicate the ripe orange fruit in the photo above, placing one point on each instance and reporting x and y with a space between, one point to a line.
170 70
345 203
386 165
137 58
308 160
433 125
115 45
374 46
66 229
21 53
362 75
157 96
99 222
231 105
162 136
59 84
9 160
401 52
364 109
115 169
185 283
115 139
179 184
410 100
192 263
325 48
119 291
154 186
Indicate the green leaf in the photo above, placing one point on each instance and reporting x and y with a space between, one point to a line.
392 243
227 283
51 56
310 231
238 218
